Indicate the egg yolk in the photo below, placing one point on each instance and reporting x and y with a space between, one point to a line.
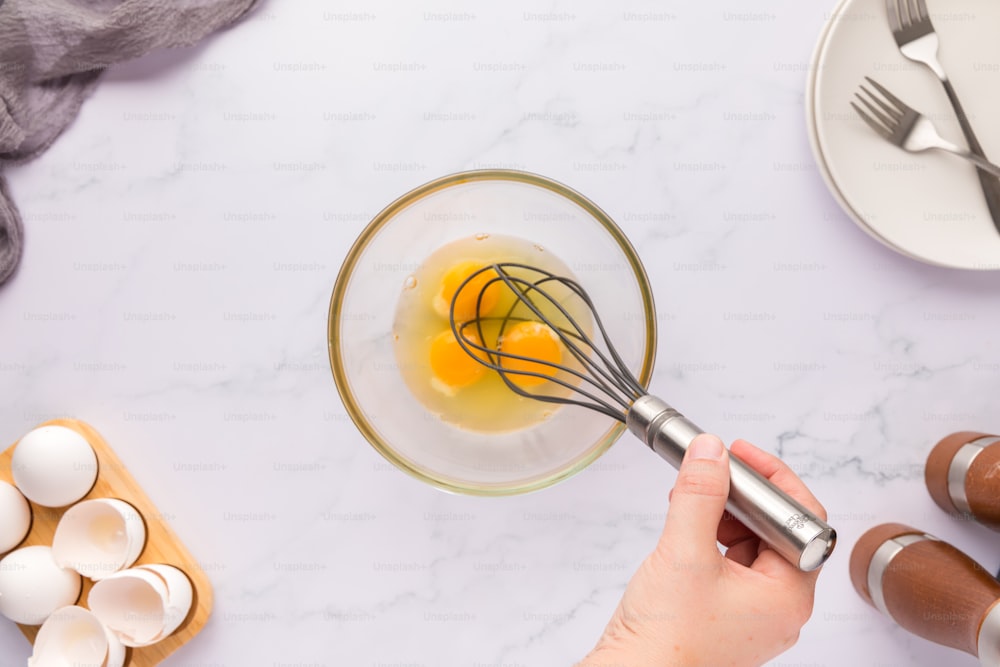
452 368
465 305
534 340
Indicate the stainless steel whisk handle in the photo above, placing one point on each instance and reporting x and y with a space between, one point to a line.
793 531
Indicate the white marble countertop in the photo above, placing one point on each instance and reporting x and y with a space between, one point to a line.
184 235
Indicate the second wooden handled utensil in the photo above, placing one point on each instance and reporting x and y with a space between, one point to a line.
929 588
963 476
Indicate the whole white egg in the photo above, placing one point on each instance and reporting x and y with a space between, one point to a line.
15 517
54 466
32 585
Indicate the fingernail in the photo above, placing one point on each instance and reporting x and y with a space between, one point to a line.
706 446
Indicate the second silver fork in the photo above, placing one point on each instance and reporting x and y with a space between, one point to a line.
906 127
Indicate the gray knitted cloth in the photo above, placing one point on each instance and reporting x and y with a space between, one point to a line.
51 55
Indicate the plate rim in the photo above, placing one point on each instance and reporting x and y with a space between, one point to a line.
819 53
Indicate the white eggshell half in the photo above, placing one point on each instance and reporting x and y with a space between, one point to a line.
144 604
99 537
54 466
180 595
32 585
15 517
74 636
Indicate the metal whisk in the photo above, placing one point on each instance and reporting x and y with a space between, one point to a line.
605 384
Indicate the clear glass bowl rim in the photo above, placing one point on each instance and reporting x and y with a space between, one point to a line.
383 218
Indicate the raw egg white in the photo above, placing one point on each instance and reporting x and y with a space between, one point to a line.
54 466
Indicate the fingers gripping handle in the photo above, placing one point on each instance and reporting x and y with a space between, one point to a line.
793 531
789 528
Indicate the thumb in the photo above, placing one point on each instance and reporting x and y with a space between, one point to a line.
698 499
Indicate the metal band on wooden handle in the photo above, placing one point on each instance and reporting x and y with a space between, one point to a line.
963 476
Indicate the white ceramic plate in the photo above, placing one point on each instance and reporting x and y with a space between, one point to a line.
928 206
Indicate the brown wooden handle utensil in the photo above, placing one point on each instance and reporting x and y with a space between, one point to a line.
930 588
963 476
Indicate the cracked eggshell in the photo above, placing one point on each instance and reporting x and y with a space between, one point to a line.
144 604
99 537
54 466
15 517
32 585
74 636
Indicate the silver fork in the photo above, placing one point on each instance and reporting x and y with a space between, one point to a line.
915 36
908 128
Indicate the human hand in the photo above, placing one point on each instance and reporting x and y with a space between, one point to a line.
688 604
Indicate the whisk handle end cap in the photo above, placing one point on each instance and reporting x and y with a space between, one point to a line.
818 549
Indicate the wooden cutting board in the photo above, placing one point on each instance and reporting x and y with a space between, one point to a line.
162 545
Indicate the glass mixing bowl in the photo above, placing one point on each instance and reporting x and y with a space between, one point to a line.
363 306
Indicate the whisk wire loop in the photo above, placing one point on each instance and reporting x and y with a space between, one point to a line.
524 288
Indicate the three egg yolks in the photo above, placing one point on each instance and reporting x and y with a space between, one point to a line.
453 368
